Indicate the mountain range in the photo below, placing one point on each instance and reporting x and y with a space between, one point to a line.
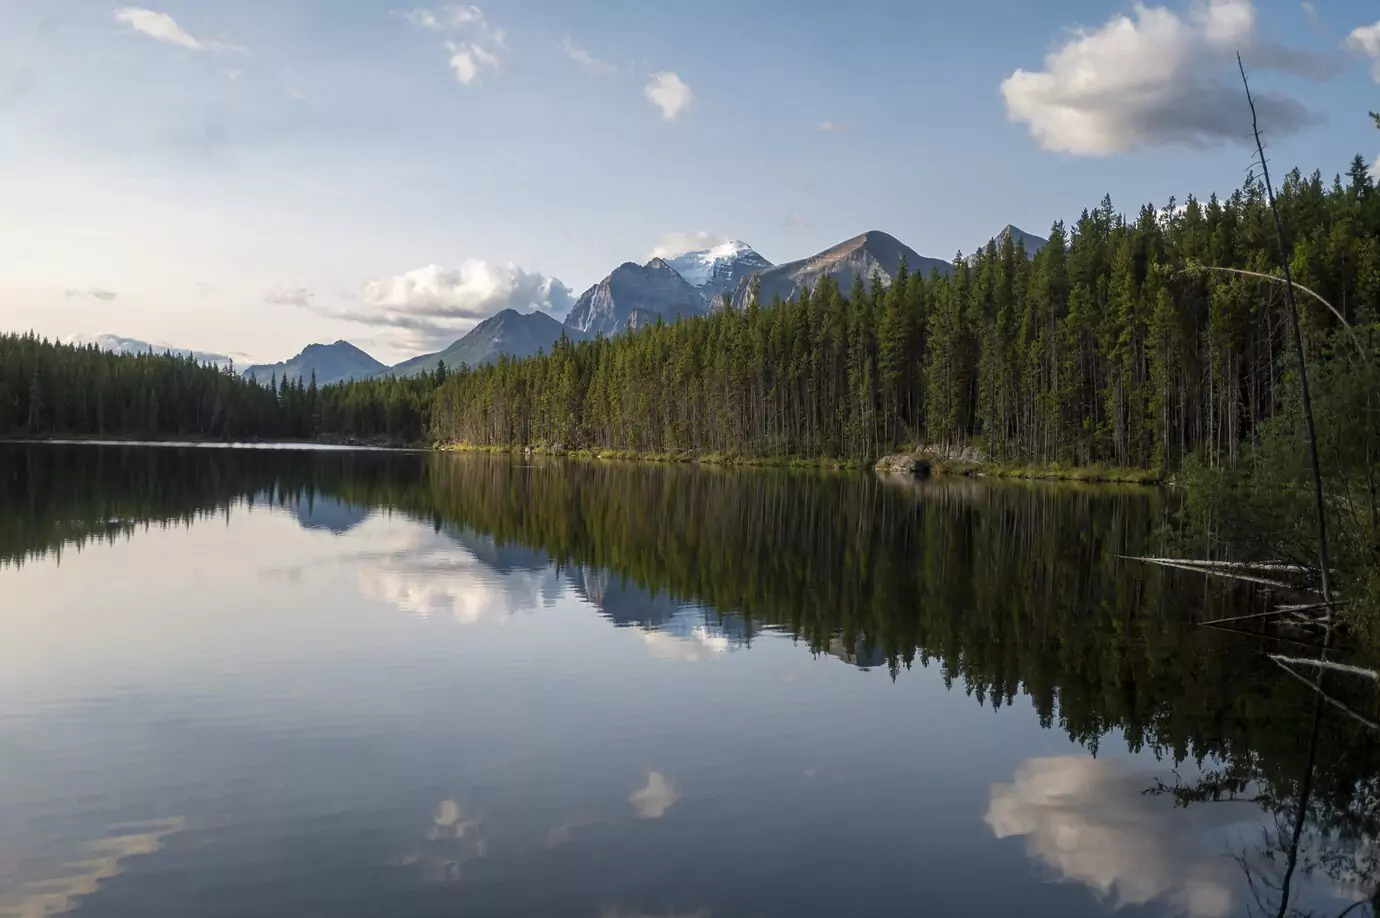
330 362
635 295
517 334
874 252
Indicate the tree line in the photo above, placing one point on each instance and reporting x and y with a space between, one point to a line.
52 389
1122 342
1117 343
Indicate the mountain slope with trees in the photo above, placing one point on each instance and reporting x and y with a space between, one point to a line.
1110 346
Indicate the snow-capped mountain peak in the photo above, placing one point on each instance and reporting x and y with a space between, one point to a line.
717 268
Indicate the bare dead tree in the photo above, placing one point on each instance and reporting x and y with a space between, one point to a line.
1324 560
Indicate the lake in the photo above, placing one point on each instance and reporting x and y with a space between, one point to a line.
279 682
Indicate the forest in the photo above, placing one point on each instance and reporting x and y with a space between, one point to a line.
49 389
1117 343
1122 342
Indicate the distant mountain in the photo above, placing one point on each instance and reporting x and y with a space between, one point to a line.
635 295
1033 244
331 362
873 252
510 332
328 514
121 345
716 270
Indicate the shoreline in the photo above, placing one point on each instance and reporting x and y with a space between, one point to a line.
906 465
1092 474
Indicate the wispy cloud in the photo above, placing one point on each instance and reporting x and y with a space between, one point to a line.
672 244
668 92
1311 13
586 61
835 127
471 55
93 292
289 296
162 27
795 220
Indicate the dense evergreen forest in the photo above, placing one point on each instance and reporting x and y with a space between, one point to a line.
1118 343
1114 344
52 389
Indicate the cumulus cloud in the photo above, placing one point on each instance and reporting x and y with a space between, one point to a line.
1090 821
668 92
162 27
93 292
586 61
835 127
699 644
289 296
672 244
471 55
434 303
1366 40
655 798
1156 77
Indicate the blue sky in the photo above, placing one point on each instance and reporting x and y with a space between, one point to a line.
247 177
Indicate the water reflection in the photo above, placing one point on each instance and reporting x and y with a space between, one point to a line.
652 800
553 751
97 862
1088 820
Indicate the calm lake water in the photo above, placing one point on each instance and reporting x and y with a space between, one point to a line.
375 684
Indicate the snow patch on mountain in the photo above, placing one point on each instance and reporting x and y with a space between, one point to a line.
699 266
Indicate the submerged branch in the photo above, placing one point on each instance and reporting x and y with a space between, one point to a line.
1328 664
1323 695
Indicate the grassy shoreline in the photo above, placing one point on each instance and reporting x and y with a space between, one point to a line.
1094 474
1090 474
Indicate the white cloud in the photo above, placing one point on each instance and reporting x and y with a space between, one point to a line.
467 59
434 302
162 27
672 244
289 296
1156 77
100 860
232 73
1311 13
1090 821
444 19
587 62
430 576
795 220
1366 40
668 92
449 822
119 344
94 292
653 800
700 644
471 56
835 127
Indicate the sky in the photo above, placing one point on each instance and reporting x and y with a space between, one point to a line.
244 178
